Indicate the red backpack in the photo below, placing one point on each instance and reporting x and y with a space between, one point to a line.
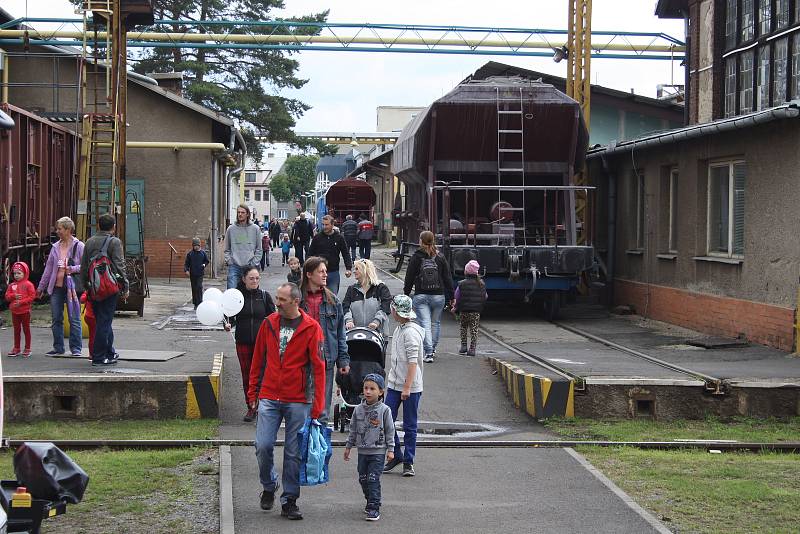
102 282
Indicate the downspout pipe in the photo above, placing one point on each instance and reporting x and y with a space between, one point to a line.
229 174
686 68
612 229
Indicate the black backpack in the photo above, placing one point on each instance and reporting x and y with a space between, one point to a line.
428 278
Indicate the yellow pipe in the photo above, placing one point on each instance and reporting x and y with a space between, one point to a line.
329 39
169 144
5 77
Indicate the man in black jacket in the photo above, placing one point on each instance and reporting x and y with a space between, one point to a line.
350 234
194 266
301 234
329 244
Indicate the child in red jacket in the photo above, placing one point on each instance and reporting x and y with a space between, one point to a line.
20 295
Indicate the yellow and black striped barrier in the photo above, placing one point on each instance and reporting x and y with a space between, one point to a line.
203 392
538 396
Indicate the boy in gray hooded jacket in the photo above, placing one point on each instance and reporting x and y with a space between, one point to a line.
372 432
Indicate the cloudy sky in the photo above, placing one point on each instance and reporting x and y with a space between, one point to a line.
345 88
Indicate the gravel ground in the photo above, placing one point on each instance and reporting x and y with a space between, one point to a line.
194 510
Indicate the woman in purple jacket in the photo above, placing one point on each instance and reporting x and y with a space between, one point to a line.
64 261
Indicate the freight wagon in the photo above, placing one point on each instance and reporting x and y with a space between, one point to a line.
489 169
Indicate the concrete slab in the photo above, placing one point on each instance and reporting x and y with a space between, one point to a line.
131 355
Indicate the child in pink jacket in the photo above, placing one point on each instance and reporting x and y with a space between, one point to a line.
20 295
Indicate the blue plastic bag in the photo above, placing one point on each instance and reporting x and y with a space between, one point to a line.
315 453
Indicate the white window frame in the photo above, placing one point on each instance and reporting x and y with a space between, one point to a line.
249 174
672 245
282 214
247 195
257 197
265 195
731 202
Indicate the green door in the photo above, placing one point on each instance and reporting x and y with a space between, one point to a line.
134 217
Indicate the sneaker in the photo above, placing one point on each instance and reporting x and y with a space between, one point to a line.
366 510
408 470
267 500
428 358
13 352
25 353
76 353
115 357
290 510
463 349
391 464
103 363
55 353
471 351
250 416
373 515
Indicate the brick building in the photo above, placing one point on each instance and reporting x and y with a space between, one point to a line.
697 225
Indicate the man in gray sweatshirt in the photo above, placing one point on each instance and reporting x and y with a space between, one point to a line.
242 245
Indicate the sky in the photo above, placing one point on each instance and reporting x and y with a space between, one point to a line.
345 88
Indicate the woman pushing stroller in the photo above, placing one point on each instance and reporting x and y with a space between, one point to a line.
366 303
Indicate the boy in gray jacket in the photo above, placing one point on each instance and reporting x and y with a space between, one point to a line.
372 432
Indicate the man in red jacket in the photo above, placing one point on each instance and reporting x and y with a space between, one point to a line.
287 381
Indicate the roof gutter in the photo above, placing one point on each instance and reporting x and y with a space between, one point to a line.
787 111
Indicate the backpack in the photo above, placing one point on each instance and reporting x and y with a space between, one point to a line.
428 277
102 282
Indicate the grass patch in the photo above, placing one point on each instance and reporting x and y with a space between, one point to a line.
693 491
741 429
148 488
118 429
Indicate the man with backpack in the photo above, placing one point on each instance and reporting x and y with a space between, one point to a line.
366 231
103 276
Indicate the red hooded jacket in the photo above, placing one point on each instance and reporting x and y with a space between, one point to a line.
24 288
299 376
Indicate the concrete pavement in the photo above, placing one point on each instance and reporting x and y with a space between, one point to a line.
455 490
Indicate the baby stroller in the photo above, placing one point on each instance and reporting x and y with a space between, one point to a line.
366 348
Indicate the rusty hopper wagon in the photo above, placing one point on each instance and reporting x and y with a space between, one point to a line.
488 169
350 196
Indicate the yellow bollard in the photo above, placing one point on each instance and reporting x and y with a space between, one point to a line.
84 327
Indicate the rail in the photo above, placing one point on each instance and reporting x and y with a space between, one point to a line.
717 445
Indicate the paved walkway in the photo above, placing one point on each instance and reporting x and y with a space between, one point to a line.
455 490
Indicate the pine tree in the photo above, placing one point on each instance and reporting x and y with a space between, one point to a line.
243 84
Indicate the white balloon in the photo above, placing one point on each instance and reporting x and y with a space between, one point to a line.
209 313
232 302
212 294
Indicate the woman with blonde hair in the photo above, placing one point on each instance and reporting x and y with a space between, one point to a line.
367 302
428 274
61 272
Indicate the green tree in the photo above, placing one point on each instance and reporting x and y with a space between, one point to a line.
298 176
242 84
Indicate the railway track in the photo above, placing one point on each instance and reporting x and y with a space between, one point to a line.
717 445
714 385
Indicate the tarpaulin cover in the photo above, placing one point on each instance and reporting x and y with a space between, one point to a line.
49 473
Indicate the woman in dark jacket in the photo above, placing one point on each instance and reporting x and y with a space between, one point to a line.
428 273
257 306
367 302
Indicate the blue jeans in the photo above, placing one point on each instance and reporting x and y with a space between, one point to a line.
364 248
352 245
333 281
370 467
429 316
234 275
57 301
103 334
270 414
410 408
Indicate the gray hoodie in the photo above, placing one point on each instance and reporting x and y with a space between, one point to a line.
243 244
371 429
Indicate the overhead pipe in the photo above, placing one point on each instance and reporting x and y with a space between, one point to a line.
184 37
